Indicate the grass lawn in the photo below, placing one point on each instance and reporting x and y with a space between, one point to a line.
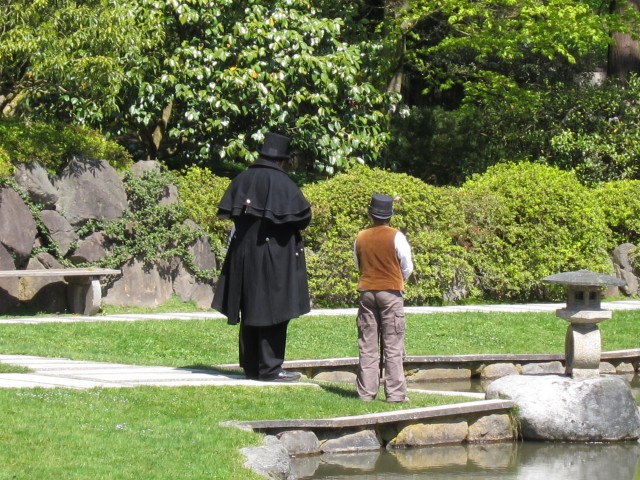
171 433
210 342
152 432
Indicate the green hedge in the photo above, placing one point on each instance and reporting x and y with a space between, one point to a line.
429 216
526 221
620 200
493 239
200 192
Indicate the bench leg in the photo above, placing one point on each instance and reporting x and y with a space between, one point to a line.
84 295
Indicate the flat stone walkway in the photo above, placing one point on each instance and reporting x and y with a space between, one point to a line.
65 373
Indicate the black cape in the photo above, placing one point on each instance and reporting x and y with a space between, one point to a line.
264 274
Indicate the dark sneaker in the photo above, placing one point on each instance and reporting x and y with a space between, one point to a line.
282 376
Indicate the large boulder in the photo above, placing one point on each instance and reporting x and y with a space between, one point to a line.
62 233
140 284
37 181
185 283
624 266
559 408
270 460
143 166
8 286
189 288
90 189
90 249
17 228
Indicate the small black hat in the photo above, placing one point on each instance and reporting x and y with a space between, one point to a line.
275 147
381 206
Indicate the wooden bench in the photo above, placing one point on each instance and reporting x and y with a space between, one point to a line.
84 293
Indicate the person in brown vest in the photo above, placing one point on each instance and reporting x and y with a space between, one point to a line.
383 259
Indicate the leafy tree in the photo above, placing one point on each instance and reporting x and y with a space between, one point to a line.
489 49
234 71
514 81
71 60
198 81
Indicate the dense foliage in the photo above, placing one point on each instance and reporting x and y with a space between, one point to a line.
199 193
197 82
72 60
428 216
496 237
514 81
53 145
619 200
527 221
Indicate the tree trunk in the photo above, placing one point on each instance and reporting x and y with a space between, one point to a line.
158 133
9 104
397 50
624 54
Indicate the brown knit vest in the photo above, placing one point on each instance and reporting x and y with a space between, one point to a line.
379 265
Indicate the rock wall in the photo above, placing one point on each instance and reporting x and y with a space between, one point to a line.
85 190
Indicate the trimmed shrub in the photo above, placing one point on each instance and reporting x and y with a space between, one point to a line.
619 200
429 217
527 221
200 192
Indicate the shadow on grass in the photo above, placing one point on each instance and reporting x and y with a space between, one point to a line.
346 391
198 367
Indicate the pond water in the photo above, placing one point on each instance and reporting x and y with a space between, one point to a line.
521 461
502 461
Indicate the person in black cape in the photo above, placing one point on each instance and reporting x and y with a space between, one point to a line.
263 281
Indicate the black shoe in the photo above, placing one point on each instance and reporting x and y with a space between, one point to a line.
282 376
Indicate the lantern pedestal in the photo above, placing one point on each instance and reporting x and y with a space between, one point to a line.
583 345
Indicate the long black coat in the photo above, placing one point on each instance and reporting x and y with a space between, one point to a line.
264 274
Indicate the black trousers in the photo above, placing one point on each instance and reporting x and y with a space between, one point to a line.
262 349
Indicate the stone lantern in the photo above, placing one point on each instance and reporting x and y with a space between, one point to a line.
583 345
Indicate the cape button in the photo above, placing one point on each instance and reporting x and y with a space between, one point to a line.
248 200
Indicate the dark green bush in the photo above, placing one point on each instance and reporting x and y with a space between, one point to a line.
620 201
527 221
429 216
53 145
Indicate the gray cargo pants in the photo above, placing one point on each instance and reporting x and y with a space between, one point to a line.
381 321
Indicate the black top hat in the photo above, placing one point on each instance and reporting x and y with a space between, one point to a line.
275 147
381 206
